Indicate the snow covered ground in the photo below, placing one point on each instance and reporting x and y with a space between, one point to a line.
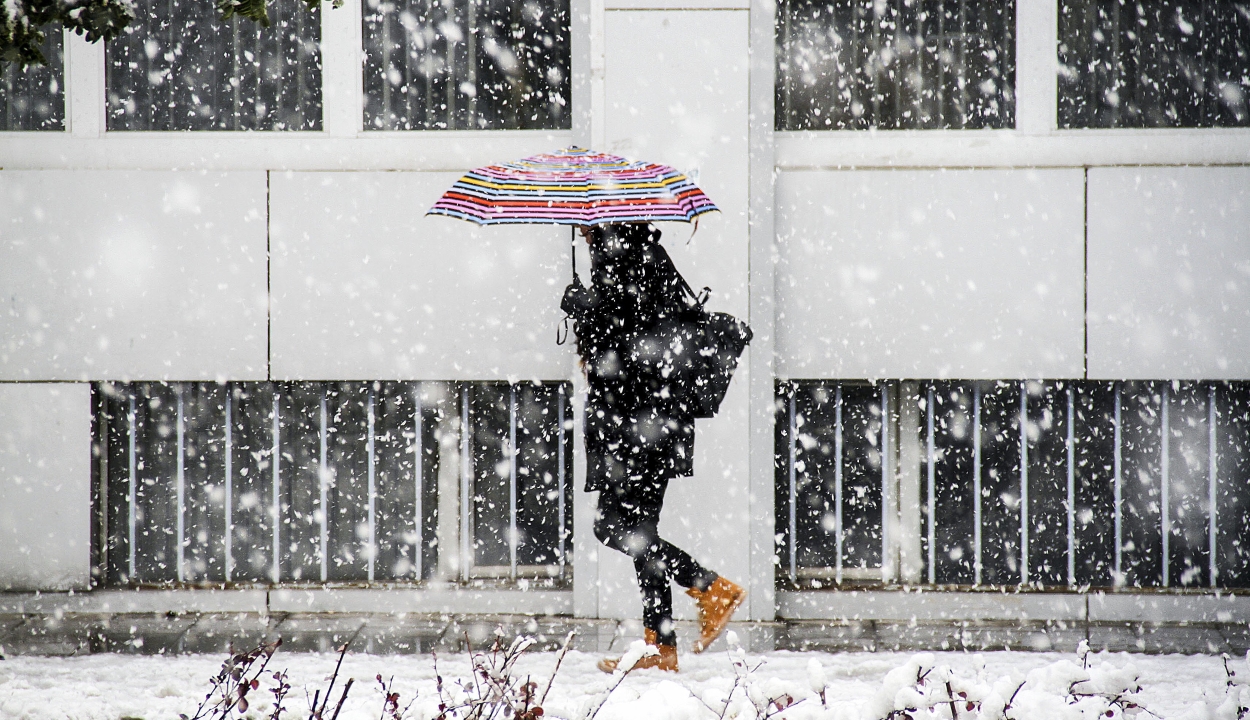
858 685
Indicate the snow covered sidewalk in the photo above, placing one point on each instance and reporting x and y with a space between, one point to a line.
857 685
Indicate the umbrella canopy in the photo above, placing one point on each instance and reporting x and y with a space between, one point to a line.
573 187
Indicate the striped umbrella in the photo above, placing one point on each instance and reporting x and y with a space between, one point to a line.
573 187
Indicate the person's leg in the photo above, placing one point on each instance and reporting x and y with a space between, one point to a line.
663 556
624 523
628 521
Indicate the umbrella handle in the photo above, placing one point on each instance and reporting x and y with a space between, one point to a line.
573 249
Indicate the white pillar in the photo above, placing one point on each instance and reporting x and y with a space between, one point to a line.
84 86
342 95
1037 82
45 486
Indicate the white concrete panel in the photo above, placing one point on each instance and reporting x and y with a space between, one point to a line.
927 607
45 486
366 286
1169 273
132 275
676 91
960 274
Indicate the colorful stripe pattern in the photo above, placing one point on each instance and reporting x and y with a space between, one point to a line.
573 187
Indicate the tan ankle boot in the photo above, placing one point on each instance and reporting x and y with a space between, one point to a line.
716 606
666 660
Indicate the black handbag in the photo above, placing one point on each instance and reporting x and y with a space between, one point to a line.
695 354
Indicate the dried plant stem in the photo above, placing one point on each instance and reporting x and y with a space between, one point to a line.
568 641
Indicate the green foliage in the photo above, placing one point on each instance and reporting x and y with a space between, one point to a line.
255 10
24 23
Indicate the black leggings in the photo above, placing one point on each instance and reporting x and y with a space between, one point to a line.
627 521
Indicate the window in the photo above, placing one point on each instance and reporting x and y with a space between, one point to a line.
180 67
1044 484
311 483
1153 63
897 64
33 98
467 65
831 480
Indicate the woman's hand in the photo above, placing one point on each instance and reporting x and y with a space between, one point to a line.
577 300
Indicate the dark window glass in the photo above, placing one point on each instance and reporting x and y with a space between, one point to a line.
1153 63
321 482
180 67
837 479
517 474
901 64
467 65
1139 463
33 98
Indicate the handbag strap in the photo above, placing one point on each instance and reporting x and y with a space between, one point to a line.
700 298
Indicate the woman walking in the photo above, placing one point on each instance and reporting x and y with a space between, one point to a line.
639 434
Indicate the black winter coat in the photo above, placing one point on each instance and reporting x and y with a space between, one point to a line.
636 427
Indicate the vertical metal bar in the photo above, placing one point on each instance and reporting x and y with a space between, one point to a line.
466 486
887 457
104 425
276 572
384 15
1024 482
931 503
229 482
450 66
512 531
837 479
976 483
418 481
1212 488
427 64
1071 443
182 486
371 551
471 75
962 83
131 490
1119 517
787 80
1165 520
794 522
323 478
560 473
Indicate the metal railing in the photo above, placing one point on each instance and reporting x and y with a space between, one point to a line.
179 66
819 499
1021 483
1153 63
200 483
33 97
857 64
467 65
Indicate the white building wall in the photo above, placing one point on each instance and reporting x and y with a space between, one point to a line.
1169 273
143 256
132 275
920 274
365 286
45 486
